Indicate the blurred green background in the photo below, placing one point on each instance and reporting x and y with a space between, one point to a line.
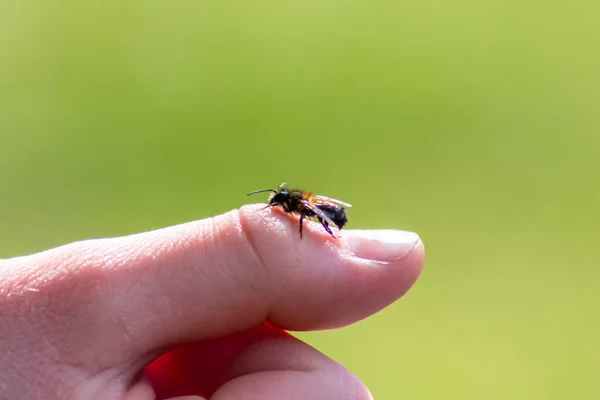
474 123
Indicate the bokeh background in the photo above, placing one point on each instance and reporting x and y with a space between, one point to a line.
474 123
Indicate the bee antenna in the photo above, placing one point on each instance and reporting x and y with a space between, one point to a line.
262 191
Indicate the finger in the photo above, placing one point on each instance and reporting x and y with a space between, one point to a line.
186 398
286 368
217 276
198 368
268 364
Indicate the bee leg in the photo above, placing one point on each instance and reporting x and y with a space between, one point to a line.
326 226
301 220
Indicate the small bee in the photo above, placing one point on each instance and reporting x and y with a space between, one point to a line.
308 205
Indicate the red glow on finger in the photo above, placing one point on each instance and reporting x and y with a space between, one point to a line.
198 368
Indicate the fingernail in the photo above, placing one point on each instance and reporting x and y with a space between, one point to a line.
379 245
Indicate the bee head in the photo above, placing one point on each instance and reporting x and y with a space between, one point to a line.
280 196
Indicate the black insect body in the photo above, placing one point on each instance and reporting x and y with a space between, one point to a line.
335 212
308 205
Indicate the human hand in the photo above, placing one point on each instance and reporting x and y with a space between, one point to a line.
86 320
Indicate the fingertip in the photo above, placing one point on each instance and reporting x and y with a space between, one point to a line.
380 245
398 257
400 253
366 268
268 226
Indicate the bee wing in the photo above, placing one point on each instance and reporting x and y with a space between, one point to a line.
330 200
319 212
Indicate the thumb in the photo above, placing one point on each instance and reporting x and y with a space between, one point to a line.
135 295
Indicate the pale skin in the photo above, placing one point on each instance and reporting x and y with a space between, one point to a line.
83 321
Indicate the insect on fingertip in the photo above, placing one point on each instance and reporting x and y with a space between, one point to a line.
300 202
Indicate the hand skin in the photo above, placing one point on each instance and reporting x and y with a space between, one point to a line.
212 298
